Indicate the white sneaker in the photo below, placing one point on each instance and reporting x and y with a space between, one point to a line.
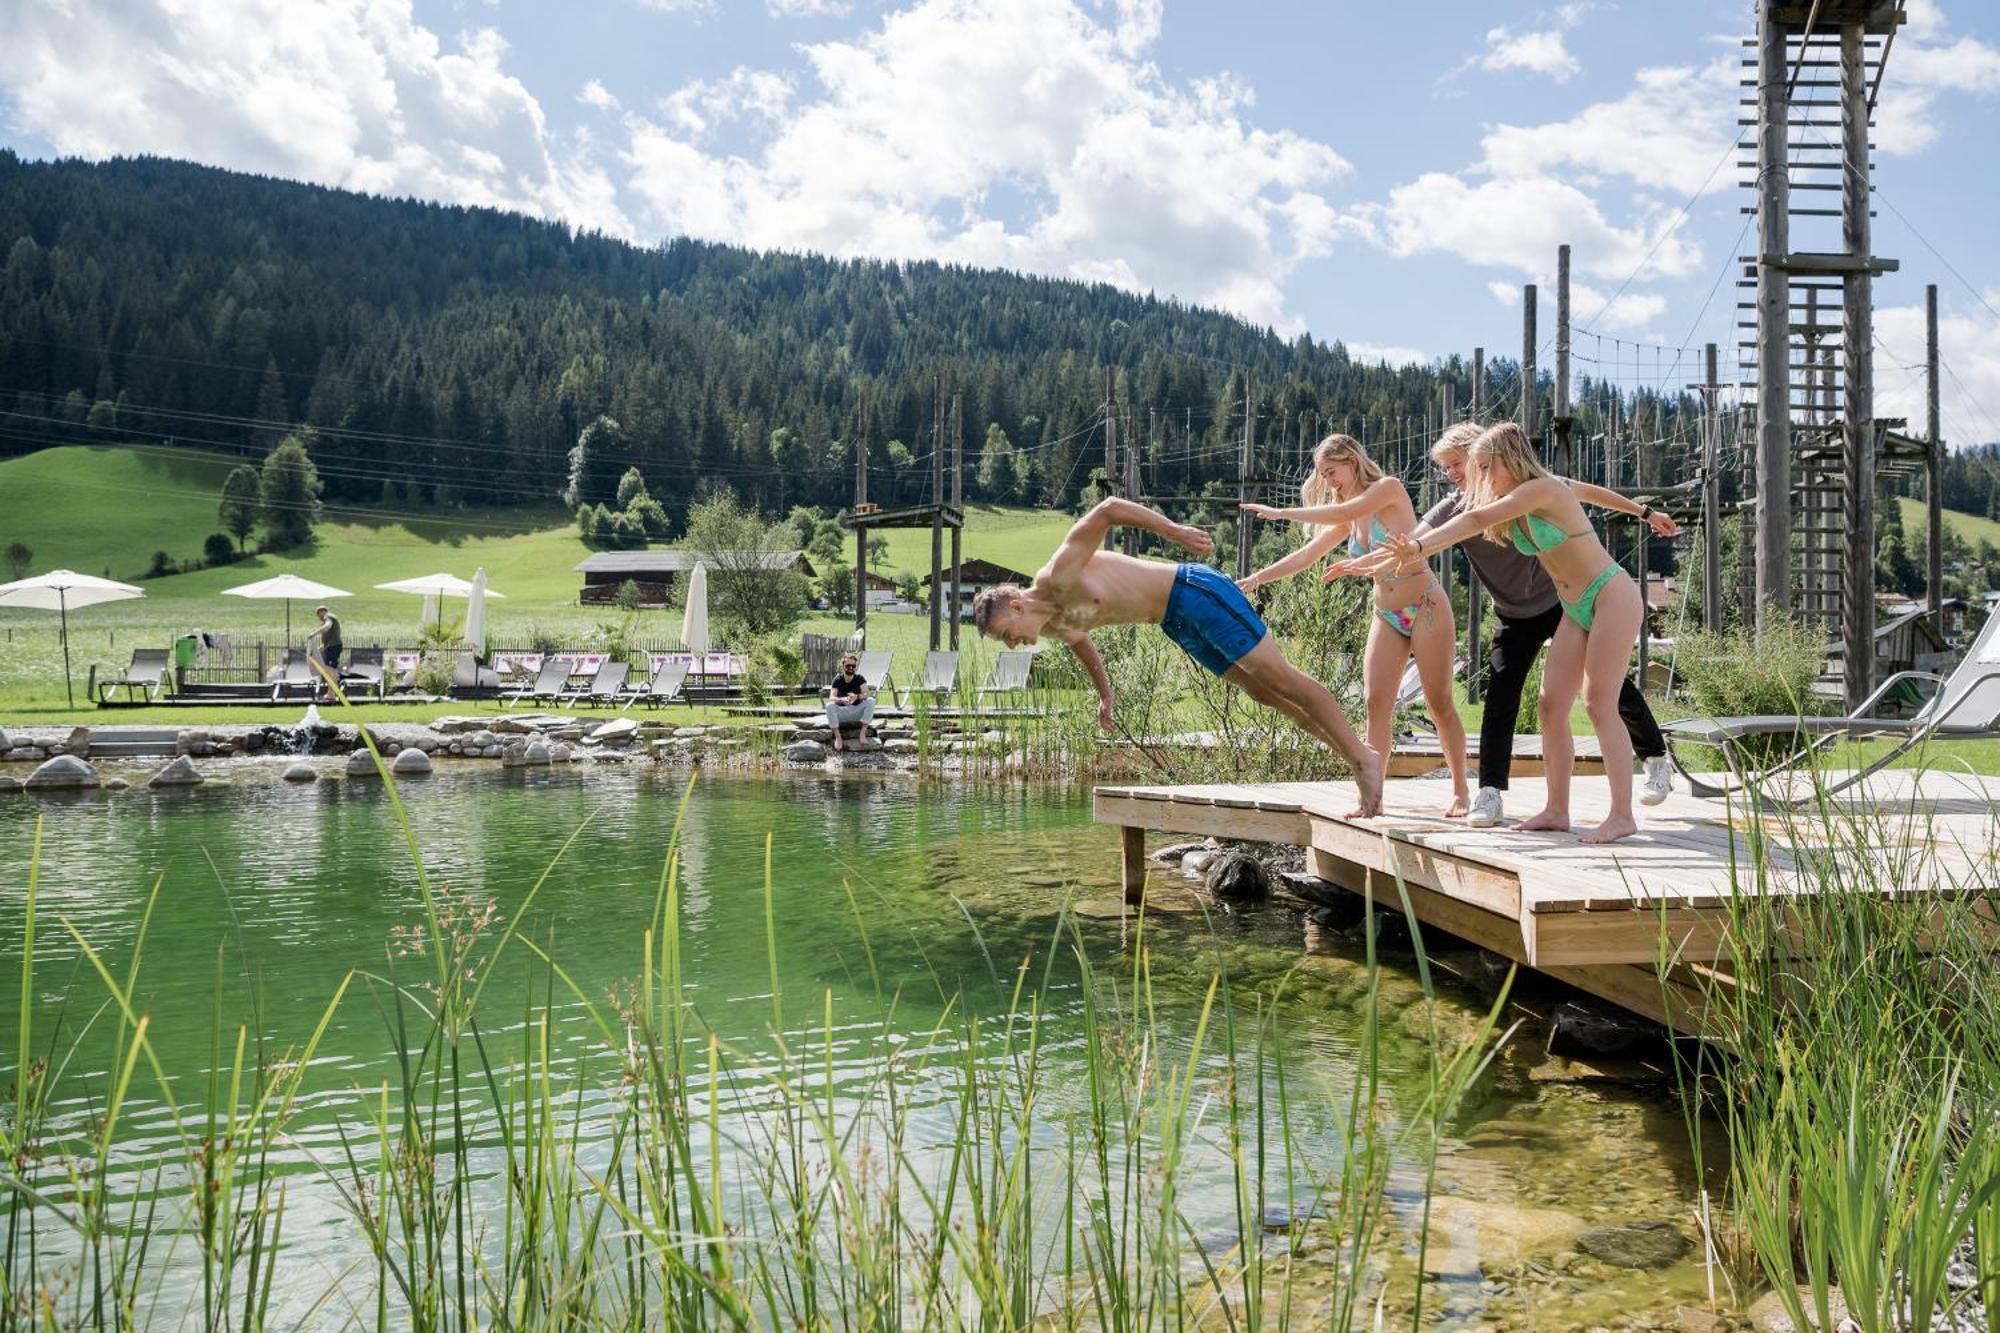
1658 783
1486 808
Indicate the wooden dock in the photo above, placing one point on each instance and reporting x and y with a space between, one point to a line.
1596 917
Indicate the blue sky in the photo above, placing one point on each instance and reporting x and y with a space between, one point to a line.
1388 175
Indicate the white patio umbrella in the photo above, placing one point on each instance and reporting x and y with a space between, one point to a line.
286 586
694 623
435 586
475 613
58 591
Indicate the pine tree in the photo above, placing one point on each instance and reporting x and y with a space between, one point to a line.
288 493
240 504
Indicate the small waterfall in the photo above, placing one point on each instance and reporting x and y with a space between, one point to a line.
299 739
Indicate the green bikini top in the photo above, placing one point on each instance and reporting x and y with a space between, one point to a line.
1540 535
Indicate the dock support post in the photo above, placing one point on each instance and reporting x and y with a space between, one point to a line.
1861 438
1132 863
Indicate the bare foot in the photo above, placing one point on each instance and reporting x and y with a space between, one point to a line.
1550 820
836 738
1461 805
1368 780
1611 830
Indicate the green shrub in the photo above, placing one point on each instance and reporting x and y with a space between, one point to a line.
1753 673
217 549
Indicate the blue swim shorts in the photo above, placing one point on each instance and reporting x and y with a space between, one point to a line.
1208 615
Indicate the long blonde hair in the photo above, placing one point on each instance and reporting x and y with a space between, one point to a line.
1506 445
1316 490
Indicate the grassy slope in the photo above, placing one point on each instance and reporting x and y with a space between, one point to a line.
1971 527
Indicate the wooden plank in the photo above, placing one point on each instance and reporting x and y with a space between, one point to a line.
1579 939
1482 886
1489 930
1290 828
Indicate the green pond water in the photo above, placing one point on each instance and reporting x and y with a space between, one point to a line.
296 887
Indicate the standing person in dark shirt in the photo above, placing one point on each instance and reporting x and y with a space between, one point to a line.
1529 612
328 635
851 700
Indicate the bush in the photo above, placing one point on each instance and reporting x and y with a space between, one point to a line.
218 549
628 595
163 564
1755 673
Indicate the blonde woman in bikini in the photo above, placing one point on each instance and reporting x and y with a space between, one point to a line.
1512 499
1348 499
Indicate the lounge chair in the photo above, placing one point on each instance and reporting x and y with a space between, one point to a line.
606 687
469 680
1966 706
551 684
148 672
874 668
665 686
299 676
367 670
940 677
1010 672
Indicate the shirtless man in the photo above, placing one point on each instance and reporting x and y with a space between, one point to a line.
1083 587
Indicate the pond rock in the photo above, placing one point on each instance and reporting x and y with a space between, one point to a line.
5 744
510 726
1470 1235
179 772
64 770
805 752
361 764
1592 1029
301 773
561 754
411 763
115 784
1174 851
859 746
1196 862
11 785
537 755
21 754
1635 1244
1238 877
899 745
1767 1314
77 742
820 734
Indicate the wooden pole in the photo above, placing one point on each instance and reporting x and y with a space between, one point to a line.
958 505
1565 462
937 513
1243 482
861 532
1772 541
1478 383
1859 435
1528 403
1934 467
1134 490
1110 445
1711 495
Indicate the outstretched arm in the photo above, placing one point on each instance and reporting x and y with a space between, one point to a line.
1303 558
1093 666
1521 500
1661 523
1088 535
1361 505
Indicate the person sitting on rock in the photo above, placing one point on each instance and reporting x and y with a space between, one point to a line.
1084 587
852 700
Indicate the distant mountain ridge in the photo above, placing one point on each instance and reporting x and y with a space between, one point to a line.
456 353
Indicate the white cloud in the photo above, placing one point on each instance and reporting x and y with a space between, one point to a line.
1540 53
1969 344
1020 133
1387 354
358 96
1671 129
595 94
1924 65
792 9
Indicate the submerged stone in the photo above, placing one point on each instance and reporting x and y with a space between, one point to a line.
805 752
1635 1244
301 773
411 763
361 764
1238 877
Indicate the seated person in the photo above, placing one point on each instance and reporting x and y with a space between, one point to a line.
1084 586
851 700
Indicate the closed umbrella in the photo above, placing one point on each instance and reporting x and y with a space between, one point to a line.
435 586
58 591
286 586
475 613
694 623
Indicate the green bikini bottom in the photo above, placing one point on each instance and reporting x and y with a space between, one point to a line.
1584 609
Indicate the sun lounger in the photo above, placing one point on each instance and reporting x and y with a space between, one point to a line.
664 687
1010 673
148 673
874 668
469 680
365 673
940 677
551 684
607 686
1966 706
298 678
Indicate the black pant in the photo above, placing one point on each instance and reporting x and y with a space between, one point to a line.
1513 654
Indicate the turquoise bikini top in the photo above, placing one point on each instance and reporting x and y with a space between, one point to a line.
1376 532
1541 535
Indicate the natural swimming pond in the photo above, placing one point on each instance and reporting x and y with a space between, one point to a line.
927 979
